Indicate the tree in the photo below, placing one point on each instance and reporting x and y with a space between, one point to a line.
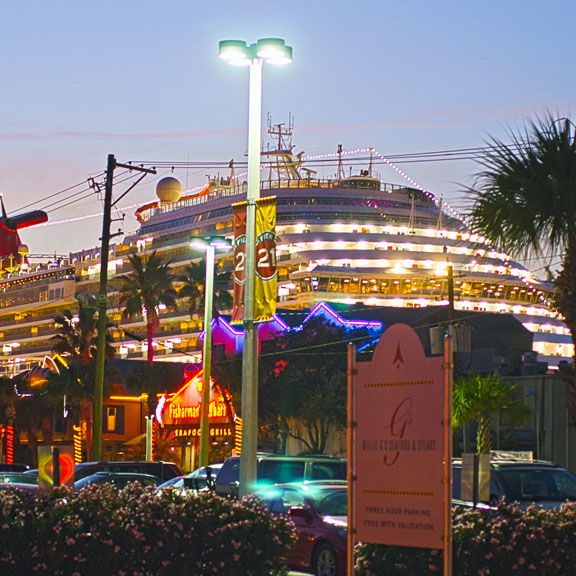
75 342
478 398
146 288
525 202
154 380
77 335
193 288
307 382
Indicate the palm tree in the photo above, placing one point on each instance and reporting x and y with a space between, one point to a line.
77 335
477 398
146 288
194 281
193 285
76 342
525 201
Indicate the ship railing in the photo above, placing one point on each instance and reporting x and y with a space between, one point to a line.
240 188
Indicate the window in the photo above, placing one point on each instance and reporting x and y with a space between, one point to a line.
279 471
113 419
328 471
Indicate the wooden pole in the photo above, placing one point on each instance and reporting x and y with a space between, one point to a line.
448 376
351 459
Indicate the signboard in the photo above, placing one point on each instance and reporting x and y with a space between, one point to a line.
239 261
183 409
55 466
475 478
265 281
399 444
266 275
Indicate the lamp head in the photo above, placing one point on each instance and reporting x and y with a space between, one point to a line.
235 52
274 51
271 50
217 242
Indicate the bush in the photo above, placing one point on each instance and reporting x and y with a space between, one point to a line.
502 542
138 532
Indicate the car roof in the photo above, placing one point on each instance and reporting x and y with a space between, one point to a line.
511 462
311 484
135 476
264 456
121 462
18 486
116 473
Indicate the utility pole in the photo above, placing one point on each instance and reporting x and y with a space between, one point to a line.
450 294
102 298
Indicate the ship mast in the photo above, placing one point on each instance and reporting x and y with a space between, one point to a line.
341 174
281 161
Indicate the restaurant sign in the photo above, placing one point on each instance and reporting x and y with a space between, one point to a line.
183 409
399 444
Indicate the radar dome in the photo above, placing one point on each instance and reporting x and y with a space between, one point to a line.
169 190
23 250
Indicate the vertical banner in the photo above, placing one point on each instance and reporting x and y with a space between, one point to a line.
399 494
266 274
239 261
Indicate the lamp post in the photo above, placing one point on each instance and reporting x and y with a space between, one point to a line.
210 245
238 53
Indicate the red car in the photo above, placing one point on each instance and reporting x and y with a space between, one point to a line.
319 511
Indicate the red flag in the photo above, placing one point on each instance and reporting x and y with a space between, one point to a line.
239 261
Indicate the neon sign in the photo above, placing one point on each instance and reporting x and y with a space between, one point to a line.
196 432
184 412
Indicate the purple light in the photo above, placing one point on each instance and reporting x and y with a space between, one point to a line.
339 319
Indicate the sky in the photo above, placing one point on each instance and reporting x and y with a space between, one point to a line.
142 80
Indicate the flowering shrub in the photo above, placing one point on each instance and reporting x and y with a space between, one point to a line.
508 541
101 530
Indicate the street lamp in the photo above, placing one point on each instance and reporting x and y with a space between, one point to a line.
210 245
238 53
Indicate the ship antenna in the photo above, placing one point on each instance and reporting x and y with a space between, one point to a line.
412 210
341 174
370 165
440 224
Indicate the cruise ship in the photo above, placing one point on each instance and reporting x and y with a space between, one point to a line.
349 238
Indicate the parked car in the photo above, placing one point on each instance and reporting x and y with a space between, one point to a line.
162 470
200 479
523 480
119 479
319 511
19 486
275 469
13 467
18 477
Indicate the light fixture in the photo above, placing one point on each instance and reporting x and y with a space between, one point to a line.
236 52
217 242
270 50
210 245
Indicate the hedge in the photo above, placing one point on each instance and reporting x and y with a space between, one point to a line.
138 531
507 541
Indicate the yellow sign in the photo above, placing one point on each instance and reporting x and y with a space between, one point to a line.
266 273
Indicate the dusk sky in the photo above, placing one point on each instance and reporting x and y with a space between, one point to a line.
142 80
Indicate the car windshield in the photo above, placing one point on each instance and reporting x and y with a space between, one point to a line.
538 484
330 501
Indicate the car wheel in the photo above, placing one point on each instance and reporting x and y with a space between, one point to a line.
324 561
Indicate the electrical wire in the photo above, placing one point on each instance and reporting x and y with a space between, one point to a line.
473 153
